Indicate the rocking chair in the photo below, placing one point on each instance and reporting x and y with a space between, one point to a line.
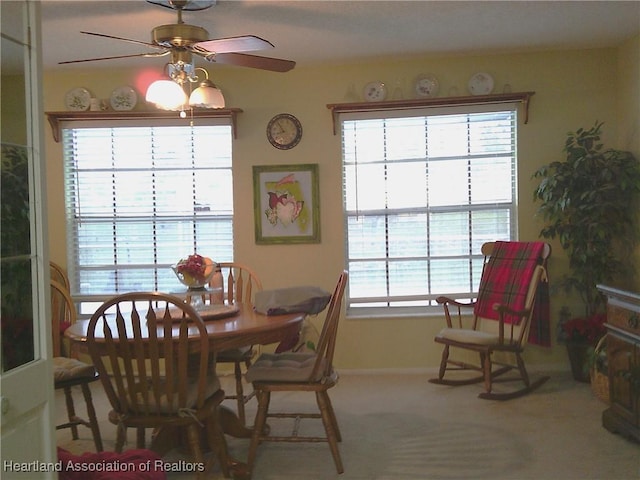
501 320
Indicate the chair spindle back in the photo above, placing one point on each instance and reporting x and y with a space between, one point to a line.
240 283
63 314
156 348
327 342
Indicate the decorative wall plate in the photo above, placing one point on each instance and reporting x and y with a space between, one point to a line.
77 99
123 98
481 84
374 91
426 86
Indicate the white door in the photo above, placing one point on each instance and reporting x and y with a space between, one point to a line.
26 385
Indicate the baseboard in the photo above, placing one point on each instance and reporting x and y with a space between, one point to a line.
388 371
549 368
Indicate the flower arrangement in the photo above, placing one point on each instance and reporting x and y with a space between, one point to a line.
586 330
195 271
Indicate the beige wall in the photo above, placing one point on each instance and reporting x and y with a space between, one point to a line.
573 89
629 98
629 108
13 117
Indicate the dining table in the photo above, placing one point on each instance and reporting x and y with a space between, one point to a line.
228 327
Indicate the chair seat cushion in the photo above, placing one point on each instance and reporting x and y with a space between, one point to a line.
283 367
69 369
462 335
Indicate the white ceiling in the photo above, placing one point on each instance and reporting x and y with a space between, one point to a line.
315 31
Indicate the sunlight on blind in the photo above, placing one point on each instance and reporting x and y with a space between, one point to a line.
422 193
140 198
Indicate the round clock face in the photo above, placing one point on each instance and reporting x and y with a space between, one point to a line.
284 131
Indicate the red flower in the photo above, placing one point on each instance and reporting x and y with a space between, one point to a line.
585 330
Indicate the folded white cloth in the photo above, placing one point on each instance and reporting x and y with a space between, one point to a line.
310 300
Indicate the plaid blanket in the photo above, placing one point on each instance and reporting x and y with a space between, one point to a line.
540 331
505 280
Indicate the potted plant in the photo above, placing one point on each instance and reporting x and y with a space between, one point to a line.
588 202
581 335
15 280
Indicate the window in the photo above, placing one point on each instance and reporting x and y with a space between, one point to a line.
423 190
139 197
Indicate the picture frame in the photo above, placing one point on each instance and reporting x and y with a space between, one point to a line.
286 204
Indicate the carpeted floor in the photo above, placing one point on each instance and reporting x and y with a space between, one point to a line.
397 426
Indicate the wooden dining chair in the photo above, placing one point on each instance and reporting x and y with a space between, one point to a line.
152 352
239 286
501 319
71 372
59 275
300 371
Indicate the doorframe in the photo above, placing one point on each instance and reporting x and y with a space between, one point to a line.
28 409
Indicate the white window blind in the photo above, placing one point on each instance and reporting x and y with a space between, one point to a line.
423 190
139 197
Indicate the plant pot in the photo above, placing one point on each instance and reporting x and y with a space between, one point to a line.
579 360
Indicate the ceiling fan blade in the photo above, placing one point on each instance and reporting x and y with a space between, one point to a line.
137 42
253 61
246 43
184 5
148 55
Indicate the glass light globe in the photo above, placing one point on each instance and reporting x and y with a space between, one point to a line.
207 95
166 94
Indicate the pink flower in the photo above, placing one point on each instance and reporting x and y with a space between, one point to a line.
194 265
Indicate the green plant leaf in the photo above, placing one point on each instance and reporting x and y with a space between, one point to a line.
589 202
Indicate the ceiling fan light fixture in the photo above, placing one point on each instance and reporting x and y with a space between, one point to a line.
207 95
166 94
183 41
181 69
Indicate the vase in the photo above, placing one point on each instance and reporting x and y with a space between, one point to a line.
579 360
196 297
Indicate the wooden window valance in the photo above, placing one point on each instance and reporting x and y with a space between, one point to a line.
521 97
55 118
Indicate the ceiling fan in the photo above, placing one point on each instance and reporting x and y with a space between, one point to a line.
181 41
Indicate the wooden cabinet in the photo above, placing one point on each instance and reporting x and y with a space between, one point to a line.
623 356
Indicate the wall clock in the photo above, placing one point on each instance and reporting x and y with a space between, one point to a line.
284 131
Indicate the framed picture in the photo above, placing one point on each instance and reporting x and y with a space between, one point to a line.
286 204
